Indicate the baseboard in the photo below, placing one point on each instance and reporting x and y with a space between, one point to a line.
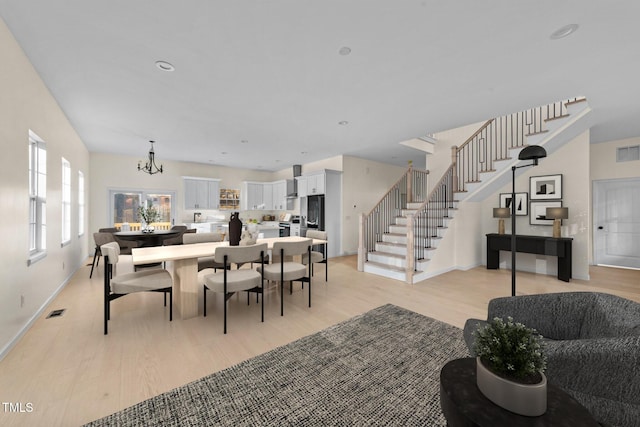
7 348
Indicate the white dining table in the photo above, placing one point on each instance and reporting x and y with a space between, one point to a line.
185 266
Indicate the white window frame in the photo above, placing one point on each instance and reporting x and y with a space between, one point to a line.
66 202
37 198
81 204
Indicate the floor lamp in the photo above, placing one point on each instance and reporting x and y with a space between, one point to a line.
532 152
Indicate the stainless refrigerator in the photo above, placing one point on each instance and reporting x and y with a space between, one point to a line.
315 212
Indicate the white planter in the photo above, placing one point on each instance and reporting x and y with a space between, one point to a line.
522 399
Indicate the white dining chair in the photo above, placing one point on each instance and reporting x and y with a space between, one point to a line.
317 256
285 269
116 286
230 281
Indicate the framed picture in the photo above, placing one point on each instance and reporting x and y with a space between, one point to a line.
539 212
545 187
522 202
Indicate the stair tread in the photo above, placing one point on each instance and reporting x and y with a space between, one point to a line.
387 254
386 266
537 133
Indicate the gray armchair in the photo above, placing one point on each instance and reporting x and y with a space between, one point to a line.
592 343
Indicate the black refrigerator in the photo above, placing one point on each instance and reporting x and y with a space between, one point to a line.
315 212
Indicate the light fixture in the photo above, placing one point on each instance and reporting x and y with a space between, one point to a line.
344 51
557 215
150 167
534 153
564 31
501 214
165 66
343 123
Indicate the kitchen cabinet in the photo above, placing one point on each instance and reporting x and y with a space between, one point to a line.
279 195
316 184
201 193
252 196
266 196
310 185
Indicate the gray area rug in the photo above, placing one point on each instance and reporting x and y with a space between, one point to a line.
381 368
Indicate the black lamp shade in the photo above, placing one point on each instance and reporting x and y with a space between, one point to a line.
532 152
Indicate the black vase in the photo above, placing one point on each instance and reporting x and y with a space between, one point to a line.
235 229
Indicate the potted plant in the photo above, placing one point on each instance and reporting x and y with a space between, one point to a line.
510 366
148 215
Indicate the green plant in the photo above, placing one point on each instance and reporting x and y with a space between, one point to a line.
511 350
148 215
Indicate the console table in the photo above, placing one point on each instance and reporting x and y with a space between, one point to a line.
541 245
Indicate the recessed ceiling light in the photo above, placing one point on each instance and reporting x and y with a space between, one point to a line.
223 152
244 141
303 152
344 50
564 31
343 123
165 66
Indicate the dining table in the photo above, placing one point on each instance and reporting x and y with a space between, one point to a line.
184 259
146 239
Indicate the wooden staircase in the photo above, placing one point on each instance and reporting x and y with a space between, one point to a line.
399 236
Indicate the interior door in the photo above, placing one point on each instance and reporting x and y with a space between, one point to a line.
617 222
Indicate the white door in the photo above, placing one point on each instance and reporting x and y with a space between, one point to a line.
616 222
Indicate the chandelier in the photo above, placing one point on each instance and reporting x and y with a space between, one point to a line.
150 167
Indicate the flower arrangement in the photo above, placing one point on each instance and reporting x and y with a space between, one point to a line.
511 350
149 215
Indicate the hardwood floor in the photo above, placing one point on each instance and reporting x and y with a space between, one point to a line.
71 373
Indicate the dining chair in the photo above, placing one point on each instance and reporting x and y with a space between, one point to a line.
208 261
285 269
230 281
176 240
99 239
116 286
317 256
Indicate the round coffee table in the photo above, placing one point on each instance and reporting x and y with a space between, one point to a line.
464 405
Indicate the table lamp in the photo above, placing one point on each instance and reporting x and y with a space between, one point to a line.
557 215
501 213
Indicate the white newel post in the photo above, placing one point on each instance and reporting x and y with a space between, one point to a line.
361 247
410 244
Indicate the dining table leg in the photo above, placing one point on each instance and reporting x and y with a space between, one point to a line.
185 287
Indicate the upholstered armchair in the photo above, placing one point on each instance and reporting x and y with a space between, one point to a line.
592 343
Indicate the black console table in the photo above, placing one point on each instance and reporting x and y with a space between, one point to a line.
560 247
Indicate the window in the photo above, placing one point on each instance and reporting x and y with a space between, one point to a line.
37 198
66 201
124 206
80 203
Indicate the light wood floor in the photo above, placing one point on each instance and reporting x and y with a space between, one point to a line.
71 373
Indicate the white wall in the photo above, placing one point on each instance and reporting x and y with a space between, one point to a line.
364 183
26 104
571 161
603 161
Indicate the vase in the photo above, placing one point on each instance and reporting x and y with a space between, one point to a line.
523 399
235 229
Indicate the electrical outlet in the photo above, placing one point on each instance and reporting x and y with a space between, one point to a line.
21 301
63 265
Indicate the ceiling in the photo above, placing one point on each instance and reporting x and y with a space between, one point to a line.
263 84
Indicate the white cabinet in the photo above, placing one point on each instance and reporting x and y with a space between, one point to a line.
201 193
316 184
309 185
279 195
266 196
252 196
